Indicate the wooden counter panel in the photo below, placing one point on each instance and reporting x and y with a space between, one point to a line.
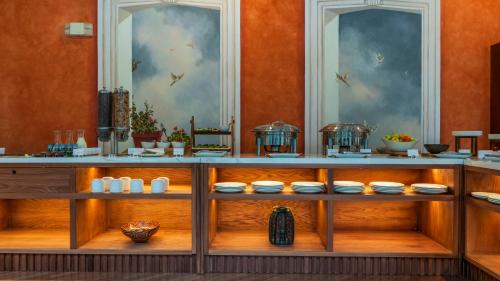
373 215
34 240
39 213
386 243
165 241
37 180
171 214
254 215
250 242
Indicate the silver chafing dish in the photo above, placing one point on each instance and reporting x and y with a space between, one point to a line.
277 137
346 137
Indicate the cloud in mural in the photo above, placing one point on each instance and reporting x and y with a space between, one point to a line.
162 39
384 91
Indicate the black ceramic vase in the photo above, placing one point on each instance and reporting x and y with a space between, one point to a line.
281 226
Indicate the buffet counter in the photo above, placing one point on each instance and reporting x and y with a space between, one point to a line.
51 220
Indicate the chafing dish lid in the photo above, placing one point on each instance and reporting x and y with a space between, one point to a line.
335 127
277 127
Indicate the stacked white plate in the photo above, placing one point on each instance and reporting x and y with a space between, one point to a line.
494 198
350 187
308 187
268 186
230 187
386 187
481 195
429 188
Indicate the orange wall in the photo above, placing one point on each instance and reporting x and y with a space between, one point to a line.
47 81
37 94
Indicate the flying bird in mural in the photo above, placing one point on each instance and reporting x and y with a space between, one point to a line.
135 64
190 45
343 78
175 78
380 58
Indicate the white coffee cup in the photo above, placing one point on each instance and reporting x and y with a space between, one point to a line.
107 182
126 183
97 186
158 186
167 182
136 186
116 186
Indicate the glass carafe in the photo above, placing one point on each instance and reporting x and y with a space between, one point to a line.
81 139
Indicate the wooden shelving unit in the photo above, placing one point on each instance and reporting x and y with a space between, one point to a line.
248 242
196 132
387 243
482 222
173 192
335 225
165 241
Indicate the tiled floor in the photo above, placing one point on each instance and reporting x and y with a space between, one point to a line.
207 277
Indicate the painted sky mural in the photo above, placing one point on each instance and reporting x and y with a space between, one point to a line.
380 51
176 54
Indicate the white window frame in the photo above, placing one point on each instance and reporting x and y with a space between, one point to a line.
108 11
431 71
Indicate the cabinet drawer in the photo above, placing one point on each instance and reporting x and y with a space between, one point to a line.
37 180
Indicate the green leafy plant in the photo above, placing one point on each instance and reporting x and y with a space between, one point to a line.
143 122
179 135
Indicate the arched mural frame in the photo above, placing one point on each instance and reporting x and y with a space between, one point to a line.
317 12
108 18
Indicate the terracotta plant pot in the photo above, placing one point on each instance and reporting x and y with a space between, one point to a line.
145 137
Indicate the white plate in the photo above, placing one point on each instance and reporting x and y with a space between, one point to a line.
230 184
496 202
492 158
309 190
307 184
348 183
150 155
389 191
267 183
349 191
386 184
351 155
429 186
430 191
453 155
283 155
207 153
268 190
229 190
494 196
481 195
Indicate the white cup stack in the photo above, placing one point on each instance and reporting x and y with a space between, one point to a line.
126 183
97 186
107 183
158 186
136 186
116 186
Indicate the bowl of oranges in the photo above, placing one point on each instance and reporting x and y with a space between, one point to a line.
399 142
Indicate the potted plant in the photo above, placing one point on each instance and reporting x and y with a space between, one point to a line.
179 138
144 125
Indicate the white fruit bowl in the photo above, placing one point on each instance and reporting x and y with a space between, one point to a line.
399 146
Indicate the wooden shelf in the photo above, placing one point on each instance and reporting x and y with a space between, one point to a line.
286 194
173 192
220 133
483 203
386 243
257 243
408 195
34 240
488 263
112 241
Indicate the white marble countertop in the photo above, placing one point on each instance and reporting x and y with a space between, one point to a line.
243 159
483 164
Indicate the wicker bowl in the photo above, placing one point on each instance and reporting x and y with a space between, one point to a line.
140 231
